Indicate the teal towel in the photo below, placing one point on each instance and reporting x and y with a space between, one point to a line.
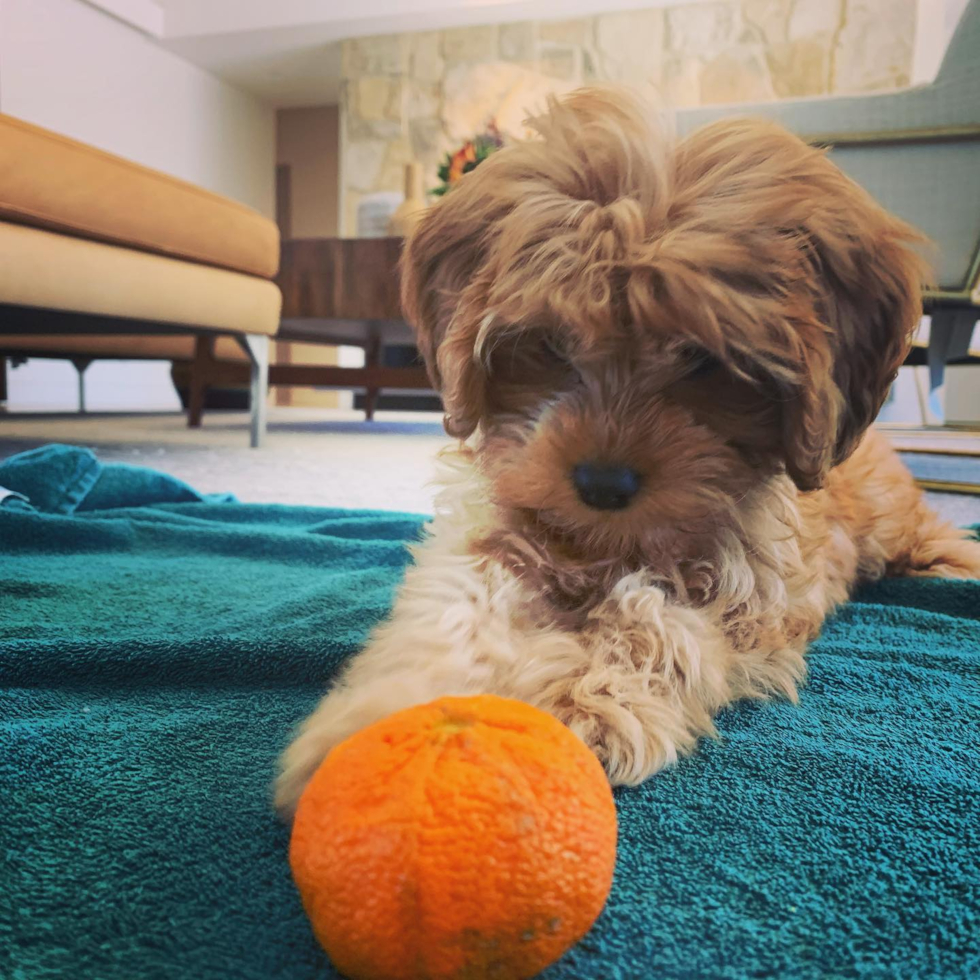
155 655
59 479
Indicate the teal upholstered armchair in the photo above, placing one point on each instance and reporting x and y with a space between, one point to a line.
918 152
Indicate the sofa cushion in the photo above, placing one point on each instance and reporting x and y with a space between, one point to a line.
57 183
49 270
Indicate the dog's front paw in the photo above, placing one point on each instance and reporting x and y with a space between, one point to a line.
949 558
632 742
319 734
345 710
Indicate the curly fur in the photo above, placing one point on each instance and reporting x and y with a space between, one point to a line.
724 314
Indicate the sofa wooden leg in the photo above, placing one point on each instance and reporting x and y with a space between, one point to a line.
370 403
372 359
3 381
81 366
198 385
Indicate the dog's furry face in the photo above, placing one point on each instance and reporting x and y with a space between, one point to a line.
637 403
705 314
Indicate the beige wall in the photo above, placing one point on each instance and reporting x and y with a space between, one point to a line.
68 67
412 97
307 141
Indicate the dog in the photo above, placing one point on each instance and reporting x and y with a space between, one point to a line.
662 358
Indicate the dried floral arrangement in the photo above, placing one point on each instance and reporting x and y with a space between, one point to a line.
468 157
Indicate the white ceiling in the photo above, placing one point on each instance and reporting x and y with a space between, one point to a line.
287 52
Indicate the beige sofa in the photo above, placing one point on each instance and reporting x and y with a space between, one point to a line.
100 257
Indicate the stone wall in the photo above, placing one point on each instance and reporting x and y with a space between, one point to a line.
412 97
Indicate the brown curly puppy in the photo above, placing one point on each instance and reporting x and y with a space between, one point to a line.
664 357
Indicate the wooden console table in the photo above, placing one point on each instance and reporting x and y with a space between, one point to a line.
336 291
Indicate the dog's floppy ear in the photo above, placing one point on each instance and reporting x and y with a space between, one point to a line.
849 284
870 283
444 299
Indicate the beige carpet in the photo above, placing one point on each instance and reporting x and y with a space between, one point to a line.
312 456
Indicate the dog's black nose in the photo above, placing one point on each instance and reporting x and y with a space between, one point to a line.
605 487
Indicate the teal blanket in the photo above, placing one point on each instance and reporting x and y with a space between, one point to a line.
157 646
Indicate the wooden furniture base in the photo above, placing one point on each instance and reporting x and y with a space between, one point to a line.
202 370
339 292
369 378
345 292
20 320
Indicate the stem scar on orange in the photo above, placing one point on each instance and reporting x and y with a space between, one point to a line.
468 838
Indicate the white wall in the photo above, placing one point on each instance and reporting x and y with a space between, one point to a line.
69 67
76 70
110 386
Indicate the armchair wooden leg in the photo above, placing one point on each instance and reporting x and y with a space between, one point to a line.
198 386
949 338
81 366
372 359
